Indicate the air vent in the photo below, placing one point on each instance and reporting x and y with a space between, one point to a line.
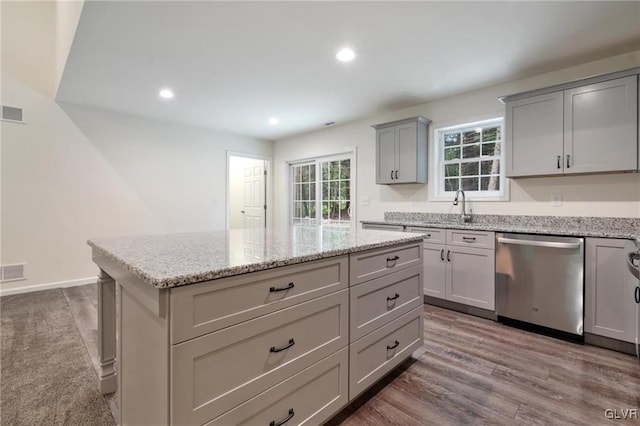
12 114
12 272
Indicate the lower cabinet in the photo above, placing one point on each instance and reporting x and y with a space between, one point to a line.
610 308
461 271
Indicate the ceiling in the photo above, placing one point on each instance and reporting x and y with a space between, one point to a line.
233 65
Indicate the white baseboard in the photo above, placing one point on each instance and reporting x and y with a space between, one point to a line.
46 286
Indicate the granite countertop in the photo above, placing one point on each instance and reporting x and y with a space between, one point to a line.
173 260
603 227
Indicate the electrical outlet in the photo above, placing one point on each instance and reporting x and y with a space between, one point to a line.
556 199
366 201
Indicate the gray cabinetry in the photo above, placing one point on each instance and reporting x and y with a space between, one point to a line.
577 128
534 136
462 270
610 307
401 151
600 127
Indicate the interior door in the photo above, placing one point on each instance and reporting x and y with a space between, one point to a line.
253 206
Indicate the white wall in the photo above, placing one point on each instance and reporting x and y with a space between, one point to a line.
595 195
73 173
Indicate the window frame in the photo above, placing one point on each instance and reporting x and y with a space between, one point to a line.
438 163
347 154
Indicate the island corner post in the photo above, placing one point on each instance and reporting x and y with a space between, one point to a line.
107 332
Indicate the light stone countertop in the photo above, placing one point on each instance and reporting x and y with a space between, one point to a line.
173 260
602 227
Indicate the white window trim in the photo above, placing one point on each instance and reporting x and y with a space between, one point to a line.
346 152
438 166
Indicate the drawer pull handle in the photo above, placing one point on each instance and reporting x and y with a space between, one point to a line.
428 235
559 157
448 255
392 259
468 239
395 345
396 174
275 289
287 346
391 174
637 294
389 299
568 161
283 421
442 255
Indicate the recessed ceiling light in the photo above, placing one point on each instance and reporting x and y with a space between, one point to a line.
345 55
166 93
273 121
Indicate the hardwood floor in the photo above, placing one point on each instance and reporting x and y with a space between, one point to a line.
471 371
476 371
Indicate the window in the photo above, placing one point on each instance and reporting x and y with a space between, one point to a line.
470 157
321 191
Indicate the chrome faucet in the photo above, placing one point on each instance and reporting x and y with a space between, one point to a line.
466 218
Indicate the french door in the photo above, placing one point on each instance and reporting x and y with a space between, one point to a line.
322 192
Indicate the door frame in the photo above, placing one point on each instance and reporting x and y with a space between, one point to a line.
269 191
350 151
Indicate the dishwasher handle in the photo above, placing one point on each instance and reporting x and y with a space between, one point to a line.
548 244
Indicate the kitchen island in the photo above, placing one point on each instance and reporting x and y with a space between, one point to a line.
251 326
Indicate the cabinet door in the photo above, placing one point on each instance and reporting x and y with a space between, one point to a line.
406 152
435 269
385 155
601 125
471 276
534 136
609 295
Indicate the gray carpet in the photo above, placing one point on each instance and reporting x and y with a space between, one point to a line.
46 374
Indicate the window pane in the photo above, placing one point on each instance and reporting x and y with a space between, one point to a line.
490 183
312 210
325 190
490 167
345 169
334 210
491 134
451 139
296 174
472 151
333 190
470 184
325 210
312 191
304 176
312 173
489 149
345 193
325 171
305 192
470 137
451 153
451 170
451 184
469 169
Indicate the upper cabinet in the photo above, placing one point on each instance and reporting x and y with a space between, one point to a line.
401 151
534 136
601 127
590 128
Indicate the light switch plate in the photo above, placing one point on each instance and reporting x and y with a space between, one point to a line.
556 199
366 201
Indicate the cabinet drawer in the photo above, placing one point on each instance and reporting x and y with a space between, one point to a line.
310 397
431 235
216 372
370 359
383 227
477 239
377 263
202 308
379 301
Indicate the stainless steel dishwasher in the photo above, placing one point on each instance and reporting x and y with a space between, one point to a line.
540 280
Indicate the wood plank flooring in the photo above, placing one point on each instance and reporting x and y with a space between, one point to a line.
476 371
470 371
